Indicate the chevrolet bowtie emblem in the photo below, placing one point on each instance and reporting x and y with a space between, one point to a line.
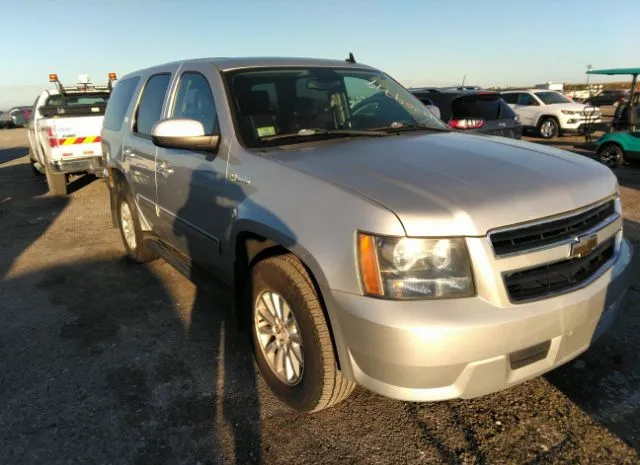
583 246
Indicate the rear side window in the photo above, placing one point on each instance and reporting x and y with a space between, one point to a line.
150 107
194 100
510 98
119 102
486 107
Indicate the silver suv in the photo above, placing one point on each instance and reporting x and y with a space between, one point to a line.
364 241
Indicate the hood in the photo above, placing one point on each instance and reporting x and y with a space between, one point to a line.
450 184
569 106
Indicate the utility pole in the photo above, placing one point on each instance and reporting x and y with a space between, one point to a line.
589 68
464 78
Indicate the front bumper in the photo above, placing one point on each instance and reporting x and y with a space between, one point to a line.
576 123
464 348
77 165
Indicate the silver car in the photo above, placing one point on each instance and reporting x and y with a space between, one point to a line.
365 242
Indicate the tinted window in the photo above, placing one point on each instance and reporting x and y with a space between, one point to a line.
526 99
487 107
150 107
550 98
195 101
76 99
510 98
119 102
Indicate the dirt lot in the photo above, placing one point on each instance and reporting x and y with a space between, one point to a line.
106 362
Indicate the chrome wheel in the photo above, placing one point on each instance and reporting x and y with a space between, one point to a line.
279 338
126 223
611 155
548 129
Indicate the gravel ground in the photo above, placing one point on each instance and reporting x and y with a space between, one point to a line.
106 362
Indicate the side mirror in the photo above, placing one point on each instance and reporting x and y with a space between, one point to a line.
183 134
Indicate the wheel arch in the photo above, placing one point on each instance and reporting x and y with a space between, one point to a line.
254 242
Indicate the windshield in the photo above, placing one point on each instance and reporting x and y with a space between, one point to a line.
549 98
290 101
71 100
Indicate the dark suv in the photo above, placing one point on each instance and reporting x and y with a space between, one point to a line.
473 110
607 97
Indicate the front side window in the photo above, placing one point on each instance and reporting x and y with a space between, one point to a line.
549 98
194 100
282 102
119 102
150 107
526 100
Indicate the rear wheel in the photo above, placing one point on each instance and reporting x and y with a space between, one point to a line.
291 339
33 163
129 224
57 182
611 155
548 128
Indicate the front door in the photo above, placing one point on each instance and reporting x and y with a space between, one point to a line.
139 152
190 184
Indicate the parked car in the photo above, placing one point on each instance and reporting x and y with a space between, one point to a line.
375 247
64 132
13 118
473 110
549 112
608 97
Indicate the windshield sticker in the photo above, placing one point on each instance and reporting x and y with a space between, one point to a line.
266 131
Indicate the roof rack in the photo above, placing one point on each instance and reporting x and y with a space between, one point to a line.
84 84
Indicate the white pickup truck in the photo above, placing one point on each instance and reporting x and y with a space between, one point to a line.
64 131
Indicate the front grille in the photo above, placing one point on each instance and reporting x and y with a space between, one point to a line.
558 277
527 238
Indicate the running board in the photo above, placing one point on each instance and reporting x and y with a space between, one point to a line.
186 267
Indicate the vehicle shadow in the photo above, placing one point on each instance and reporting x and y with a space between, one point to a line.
25 212
605 381
102 348
80 183
12 153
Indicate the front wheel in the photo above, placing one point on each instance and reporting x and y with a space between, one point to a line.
291 340
548 128
611 155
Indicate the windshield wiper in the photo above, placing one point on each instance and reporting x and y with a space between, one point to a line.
402 127
326 132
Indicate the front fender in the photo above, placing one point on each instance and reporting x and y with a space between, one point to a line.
285 238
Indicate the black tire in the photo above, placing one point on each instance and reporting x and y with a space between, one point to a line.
322 384
33 162
611 155
140 251
57 182
548 128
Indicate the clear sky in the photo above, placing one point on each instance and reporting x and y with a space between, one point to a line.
419 42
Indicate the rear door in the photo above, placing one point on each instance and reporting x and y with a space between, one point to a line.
496 116
191 184
138 151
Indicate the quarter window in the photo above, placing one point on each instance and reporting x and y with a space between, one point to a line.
194 100
150 107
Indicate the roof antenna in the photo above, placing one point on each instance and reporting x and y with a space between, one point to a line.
350 59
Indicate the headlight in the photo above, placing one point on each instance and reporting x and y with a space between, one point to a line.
413 268
569 112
